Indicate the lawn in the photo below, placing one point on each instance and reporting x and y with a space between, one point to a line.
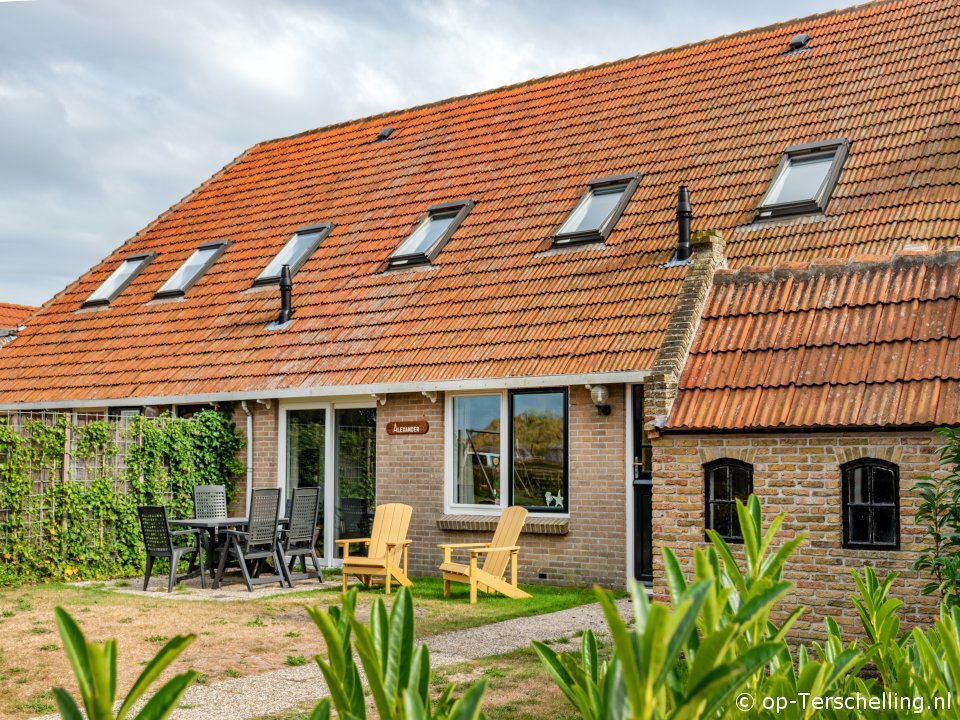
235 637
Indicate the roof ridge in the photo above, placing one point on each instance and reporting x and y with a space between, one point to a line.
576 71
18 306
830 266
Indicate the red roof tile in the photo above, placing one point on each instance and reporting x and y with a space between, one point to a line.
880 348
12 316
497 302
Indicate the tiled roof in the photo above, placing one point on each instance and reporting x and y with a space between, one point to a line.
496 302
843 345
12 316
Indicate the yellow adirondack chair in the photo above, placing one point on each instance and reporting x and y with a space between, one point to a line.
488 577
387 548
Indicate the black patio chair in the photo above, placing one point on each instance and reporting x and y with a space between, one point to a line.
209 501
300 538
260 542
159 543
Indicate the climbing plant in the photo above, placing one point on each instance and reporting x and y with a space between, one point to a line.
69 490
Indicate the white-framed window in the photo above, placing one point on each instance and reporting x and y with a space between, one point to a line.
476 446
507 448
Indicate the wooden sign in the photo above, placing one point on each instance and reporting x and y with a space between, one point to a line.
408 427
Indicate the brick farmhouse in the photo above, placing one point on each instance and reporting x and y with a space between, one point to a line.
498 299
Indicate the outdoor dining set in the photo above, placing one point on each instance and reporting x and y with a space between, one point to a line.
269 541
254 542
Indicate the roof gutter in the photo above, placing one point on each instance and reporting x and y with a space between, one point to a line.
249 492
318 391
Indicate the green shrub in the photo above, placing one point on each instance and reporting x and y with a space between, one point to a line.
95 668
716 644
397 671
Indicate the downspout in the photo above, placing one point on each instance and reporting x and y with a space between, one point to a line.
246 409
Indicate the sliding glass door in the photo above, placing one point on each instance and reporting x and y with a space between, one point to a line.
334 448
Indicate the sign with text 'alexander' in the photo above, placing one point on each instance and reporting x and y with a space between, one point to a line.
407 427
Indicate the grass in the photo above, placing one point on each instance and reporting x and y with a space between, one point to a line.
241 637
296 660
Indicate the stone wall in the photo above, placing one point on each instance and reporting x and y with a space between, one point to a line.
799 474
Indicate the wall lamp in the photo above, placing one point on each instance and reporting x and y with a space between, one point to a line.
599 394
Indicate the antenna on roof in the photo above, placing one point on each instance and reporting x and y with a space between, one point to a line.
286 292
798 43
384 134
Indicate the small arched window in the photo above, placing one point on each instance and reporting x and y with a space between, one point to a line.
725 482
871 504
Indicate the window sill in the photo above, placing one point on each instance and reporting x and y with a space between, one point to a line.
488 523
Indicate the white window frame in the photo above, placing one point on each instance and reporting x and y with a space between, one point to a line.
506 460
449 457
330 407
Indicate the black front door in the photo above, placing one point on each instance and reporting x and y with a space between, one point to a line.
642 493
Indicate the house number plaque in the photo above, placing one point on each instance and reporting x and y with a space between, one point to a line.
408 427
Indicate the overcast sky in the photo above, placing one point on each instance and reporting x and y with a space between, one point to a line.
112 110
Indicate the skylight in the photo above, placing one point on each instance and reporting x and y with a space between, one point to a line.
598 210
295 253
804 179
191 271
423 244
119 279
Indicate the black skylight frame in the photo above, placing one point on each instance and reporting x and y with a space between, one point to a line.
458 209
838 147
322 230
144 258
218 246
629 182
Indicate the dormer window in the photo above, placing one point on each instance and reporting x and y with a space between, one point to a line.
192 270
431 234
598 210
295 253
119 279
804 179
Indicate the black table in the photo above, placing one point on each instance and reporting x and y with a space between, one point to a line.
211 528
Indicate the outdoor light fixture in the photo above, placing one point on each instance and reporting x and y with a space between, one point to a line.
599 395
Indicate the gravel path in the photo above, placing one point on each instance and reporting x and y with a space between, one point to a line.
272 692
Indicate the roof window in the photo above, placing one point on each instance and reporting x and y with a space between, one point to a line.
804 179
192 270
431 234
598 210
119 279
295 253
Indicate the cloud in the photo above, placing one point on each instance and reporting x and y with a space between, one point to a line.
111 111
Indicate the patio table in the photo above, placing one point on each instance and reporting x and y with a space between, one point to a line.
211 528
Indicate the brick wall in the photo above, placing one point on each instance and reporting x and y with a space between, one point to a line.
264 449
410 469
798 474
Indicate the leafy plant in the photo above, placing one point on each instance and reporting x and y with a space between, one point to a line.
939 514
95 668
89 525
397 671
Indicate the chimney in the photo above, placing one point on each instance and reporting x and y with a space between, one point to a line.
286 289
684 215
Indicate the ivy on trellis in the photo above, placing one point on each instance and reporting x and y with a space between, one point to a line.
70 487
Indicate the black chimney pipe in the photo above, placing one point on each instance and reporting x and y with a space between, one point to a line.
286 290
684 215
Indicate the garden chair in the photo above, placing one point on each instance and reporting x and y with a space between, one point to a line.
386 548
209 501
259 542
300 538
500 551
159 543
